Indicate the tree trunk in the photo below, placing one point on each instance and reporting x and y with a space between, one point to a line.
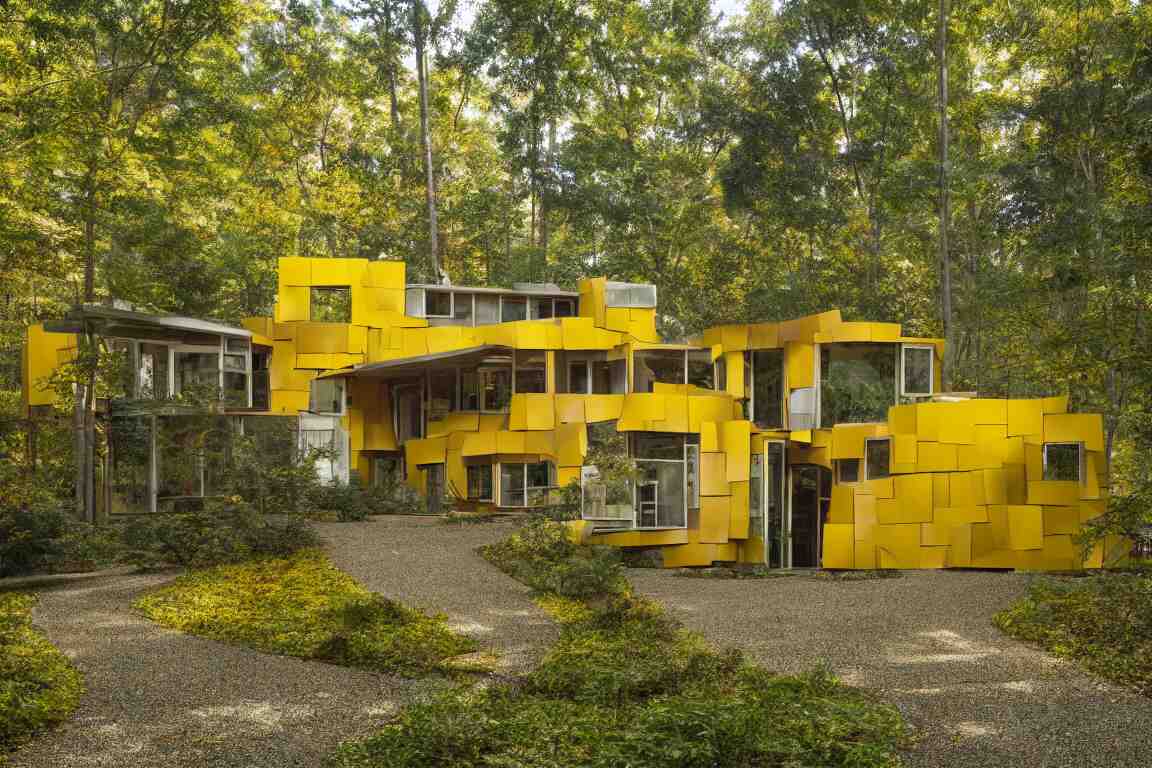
394 102
545 202
418 13
945 203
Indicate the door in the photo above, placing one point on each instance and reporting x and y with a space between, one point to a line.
434 488
768 521
408 412
811 496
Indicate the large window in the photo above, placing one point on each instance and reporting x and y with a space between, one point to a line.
525 485
916 370
495 389
653 366
261 381
877 458
513 308
199 370
326 396
662 483
530 371
1064 461
701 371
848 471
236 372
437 304
331 305
768 388
487 308
441 393
462 308
590 373
480 482
152 379
857 383
469 390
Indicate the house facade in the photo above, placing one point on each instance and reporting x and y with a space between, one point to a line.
814 442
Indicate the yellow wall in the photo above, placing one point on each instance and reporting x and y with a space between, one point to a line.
43 353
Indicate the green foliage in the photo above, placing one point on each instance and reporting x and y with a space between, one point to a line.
303 606
1104 622
541 555
624 687
39 687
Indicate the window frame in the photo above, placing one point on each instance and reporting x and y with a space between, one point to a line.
490 498
1081 478
515 300
841 463
750 373
516 368
685 448
311 303
867 474
498 492
486 369
931 349
451 304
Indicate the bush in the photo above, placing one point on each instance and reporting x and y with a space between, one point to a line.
541 556
1103 622
303 606
347 502
38 685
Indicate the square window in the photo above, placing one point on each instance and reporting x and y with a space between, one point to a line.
487 309
513 308
653 366
916 364
480 482
877 458
565 308
437 304
331 305
541 309
1063 461
849 470
327 396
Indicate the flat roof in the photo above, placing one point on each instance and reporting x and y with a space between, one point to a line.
402 365
130 323
499 291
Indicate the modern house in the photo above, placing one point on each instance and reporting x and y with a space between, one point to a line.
813 442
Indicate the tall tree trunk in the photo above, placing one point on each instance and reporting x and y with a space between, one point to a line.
393 101
945 202
545 202
418 14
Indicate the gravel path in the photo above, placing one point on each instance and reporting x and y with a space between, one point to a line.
433 566
158 698
926 642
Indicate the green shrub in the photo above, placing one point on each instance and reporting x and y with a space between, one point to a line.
38 685
347 502
1103 622
541 556
303 606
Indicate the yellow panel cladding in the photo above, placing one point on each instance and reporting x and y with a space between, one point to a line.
713 476
840 509
902 419
800 363
1025 527
603 407
288 401
936 457
569 408
571 444
708 408
1058 404
1025 417
292 305
428 451
43 353
734 374
1054 492
385 274
453 422
904 450
848 440
735 438
640 408
1087 428
839 546
764 336
738 511
956 423
914 495
715 512
532 411
643 538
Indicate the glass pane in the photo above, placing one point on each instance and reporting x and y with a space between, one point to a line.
538 475
917 371
661 494
442 385
655 445
129 438
487 309
469 390
692 470
327 396
197 370
877 454
495 389
1062 461
480 482
331 305
578 377
463 307
609 377
512 309
651 366
768 388
437 304
849 470
721 374
236 389
700 369
530 371
511 485
565 308
541 309
153 371
857 383
238 346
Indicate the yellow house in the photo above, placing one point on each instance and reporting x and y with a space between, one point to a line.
807 443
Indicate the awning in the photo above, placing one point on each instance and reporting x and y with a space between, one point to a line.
409 365
111 322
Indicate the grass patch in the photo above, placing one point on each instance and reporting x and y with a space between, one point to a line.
39 687
1103 622
303 606
626 687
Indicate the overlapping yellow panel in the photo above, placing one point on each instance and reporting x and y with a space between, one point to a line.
708 408
840 508
481 443
764 336
427 451
292 305
640 408
1087 428
800 362
738 511
988 411
643 539
881 487
936 457
865 554
848 440
960 546
1054 492
1090 488
735 438
715 513
864 515
955 423
603 407
570 408
1058 404
995 486
1025 527
1025 417
902 419
1061 520
933 557
532 411
966 489
899 545
511 442
941 489
914 495
839 546
928 418
904 449
288 401
713 476
960 515
734 374
888 512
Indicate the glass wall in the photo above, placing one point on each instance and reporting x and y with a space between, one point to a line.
661 480
768 388
652 366
530 371
857 382
525 485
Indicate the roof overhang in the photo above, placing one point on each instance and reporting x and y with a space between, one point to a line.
111 322
404 366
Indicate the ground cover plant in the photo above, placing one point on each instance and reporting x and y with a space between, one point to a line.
626 686
39 687
303 606
1103 622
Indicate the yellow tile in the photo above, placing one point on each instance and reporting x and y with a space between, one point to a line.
738 511
1025 527
902 419
914 494
928 417
840 509
941 485
709 442
904 449
569 408
1025 417
800 363
989 411
900 543
714 518
1058 404
603 407
1061 520
1090 488
933 557
935 534
882 488
864 514
995 486
960 515
428 451
1054 492
1087 428
888 512
1089 510
293 271
713 477
479 444
960 546
865 552
734 374
955 424
848 440
735 437
1060 554
936 457
292 305
839 546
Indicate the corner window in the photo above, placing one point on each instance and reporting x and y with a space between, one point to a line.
1064 461
513 308
437 304
530 371
525 485
656 366
877 458
848 471
916 370
701 371
331 305
479 482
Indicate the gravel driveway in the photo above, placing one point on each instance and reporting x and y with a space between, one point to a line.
926 642
433 566
155 697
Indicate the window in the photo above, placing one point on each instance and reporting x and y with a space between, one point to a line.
408 412
530 371
387 471
692 474
541 309
857 382
663 485
462 307
652 366
525 485
470 390
513 308
609 377
638 295
437 304
657 445
153 372
331 305
495 389
487 309
721 374
441 393
480 482
849 470
565 308
327 396
916 370
197 370
768 388
578 377
236 372
261 360
877 458
701 372
1063 461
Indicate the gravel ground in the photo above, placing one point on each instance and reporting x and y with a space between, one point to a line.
155 697
433 566
926 642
